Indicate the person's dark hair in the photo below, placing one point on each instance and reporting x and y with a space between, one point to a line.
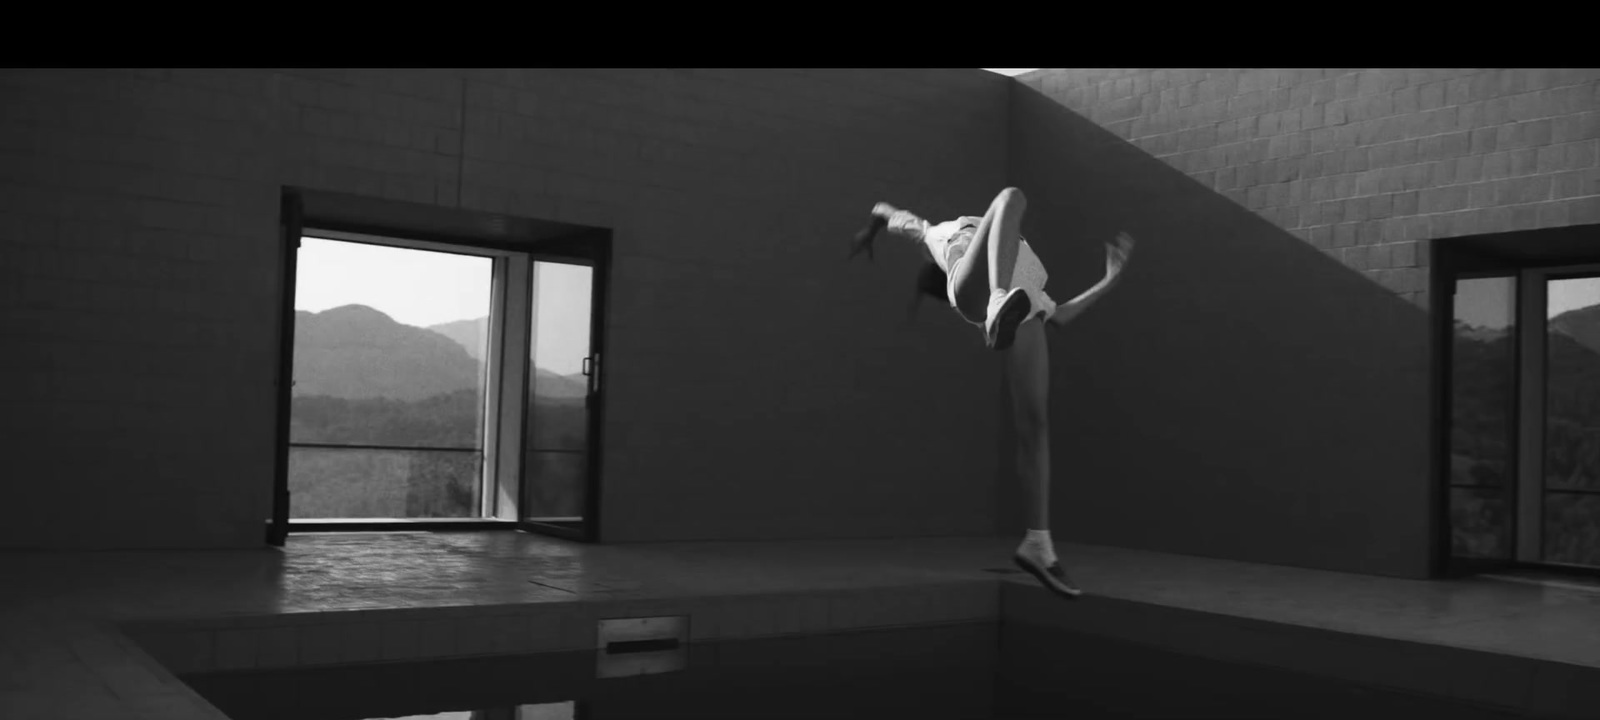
931 281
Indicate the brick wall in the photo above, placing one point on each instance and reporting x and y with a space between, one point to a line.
1257 389
1366 165
758 385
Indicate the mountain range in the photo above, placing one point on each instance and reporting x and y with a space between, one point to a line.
357 352
1582 325
472 335
1483 391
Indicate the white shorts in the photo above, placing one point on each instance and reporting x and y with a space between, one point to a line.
1028 274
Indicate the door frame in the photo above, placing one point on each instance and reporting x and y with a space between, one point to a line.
1452 262
290 223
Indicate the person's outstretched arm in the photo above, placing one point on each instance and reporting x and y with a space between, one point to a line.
1116 258
901 222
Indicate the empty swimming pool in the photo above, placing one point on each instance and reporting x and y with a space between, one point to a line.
965 671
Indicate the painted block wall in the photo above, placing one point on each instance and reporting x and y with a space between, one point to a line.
759 386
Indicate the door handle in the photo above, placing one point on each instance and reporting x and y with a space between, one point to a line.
591 368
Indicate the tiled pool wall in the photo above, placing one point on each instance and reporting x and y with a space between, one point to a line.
1525 685
945 671
360 636
366 636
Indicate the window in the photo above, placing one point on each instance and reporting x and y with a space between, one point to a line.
390 371
439 382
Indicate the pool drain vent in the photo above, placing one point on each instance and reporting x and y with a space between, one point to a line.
641 646
636 646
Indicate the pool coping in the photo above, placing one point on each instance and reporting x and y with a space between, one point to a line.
111 635
247 643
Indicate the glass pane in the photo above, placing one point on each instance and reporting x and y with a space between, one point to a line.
389 353
1482 398
350 483
560 343
389 346
557 435
1572 385
1480 523
556 485
1572 528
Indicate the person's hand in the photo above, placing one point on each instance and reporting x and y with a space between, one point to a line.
864 238
1117 255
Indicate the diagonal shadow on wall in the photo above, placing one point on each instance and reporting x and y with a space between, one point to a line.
1241 395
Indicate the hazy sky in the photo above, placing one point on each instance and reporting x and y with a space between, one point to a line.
1010 71
422 288
1487 302
561 297
412 286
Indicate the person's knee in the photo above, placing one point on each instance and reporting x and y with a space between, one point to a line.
1013 198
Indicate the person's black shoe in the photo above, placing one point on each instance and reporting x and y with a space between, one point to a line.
1053 578
1007 311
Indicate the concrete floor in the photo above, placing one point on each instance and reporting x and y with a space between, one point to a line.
91 635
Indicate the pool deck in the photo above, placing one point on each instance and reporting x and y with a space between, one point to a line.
106 634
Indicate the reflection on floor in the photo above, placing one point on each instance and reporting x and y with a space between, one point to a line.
1561 581
78 637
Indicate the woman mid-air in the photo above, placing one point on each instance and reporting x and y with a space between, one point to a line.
986 271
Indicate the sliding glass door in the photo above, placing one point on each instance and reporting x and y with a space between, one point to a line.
563 368
1524 424
1569 487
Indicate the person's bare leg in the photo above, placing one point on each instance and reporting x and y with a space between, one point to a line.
1028 378
993 301
992 255
1003 226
